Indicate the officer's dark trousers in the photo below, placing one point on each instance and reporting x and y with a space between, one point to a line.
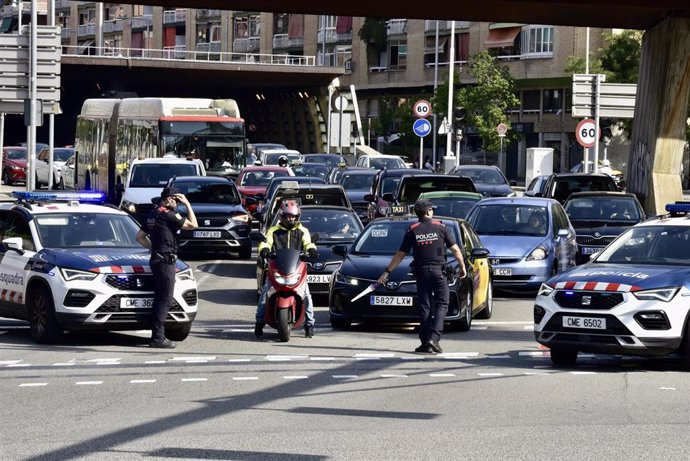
433 293
163 285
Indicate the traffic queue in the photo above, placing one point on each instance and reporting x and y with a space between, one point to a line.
607 278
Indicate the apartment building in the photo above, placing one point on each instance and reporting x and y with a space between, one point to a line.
403 66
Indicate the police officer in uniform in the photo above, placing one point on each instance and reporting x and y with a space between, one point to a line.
163 225
428 240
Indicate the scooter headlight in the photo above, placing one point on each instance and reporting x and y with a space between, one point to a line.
287 280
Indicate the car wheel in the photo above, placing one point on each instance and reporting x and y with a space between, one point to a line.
563 357
465 324
178 333
6 178
42 321
685 348
488 310
246 253
340 324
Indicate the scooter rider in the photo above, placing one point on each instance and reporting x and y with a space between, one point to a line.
288 233
283 161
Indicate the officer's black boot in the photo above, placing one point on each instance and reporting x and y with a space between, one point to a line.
309 331
259 329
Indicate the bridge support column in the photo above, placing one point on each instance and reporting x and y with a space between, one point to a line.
658 134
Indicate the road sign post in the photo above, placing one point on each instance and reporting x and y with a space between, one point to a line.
421 128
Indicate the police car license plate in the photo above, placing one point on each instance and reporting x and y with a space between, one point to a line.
398 209
319 278
206 234
136 303
587 323
503 271
391 300
590 250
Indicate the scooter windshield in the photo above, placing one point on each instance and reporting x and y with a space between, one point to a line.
287 260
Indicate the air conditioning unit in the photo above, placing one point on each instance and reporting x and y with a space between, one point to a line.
349 65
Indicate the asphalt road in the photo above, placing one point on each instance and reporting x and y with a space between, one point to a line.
342 395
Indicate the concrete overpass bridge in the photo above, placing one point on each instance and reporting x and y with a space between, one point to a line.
663 96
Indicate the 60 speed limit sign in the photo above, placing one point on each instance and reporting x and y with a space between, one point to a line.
586 132
422 108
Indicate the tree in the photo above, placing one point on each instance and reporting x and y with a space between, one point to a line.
374 33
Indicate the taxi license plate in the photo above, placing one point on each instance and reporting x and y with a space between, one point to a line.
590 250
136 303
391 300
503 271
206 234
319 278
587 323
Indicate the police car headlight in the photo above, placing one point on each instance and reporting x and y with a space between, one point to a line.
340 278
538 254
186 274
544 290
659 294
74 274
129 206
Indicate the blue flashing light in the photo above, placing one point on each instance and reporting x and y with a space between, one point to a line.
678 208
59 196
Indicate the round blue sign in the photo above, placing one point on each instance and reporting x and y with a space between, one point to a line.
421 127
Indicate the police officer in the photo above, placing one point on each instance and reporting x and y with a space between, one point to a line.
428 240
163 225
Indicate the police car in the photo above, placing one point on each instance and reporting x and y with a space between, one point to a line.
66 264
631 299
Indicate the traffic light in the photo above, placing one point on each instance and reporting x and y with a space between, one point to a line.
459 114
605 126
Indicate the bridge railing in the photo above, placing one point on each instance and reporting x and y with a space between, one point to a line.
177 54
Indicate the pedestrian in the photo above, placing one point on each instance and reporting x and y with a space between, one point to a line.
288 233
428 239
163 225
428 165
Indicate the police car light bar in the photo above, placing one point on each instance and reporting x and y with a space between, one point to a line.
80 196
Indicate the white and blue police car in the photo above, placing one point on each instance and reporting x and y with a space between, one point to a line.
632 298
67 264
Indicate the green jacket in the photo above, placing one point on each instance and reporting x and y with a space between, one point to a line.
279 237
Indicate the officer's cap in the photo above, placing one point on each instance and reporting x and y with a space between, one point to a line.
170 191
423 205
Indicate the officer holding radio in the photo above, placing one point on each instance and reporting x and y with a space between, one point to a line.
163 225
428 240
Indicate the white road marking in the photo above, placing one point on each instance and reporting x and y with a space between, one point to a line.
9 362
374 355
196 361
17 365
441 375
245 378
480 327
528 327
285 358
490 374
345 376
239 360
583 372
33 384
412 357
88 383
667 388
151 362
189 358
64 364
207 274
536 373
393 376
535 353
321 359
459 355
295 377
193 380
141 381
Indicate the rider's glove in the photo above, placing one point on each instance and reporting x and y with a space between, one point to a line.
264 253
311 252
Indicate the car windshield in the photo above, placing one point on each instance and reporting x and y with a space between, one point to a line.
567 186
603 208
316 170
509 219
62 155
390 163
276 183
158 174
261 178
330 224
650 245
330 160
412 186
360 182
272 158
385 237
223 194
75 230
454 207
483 176
16 154
389 185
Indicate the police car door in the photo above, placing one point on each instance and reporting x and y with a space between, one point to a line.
14 263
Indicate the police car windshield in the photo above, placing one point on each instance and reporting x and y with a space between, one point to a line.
76 230
506 219
384 238
667 245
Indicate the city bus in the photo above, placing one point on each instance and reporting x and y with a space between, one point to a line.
111 133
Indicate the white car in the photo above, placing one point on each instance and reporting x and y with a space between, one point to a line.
379 162
631 298
271 156
147 178
70 266
60 157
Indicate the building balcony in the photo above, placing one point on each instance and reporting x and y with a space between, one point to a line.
174 16
85 30
329 33
65 34
175 52
396 26
344 38
210 47
280 41
142 22
246 45
62 4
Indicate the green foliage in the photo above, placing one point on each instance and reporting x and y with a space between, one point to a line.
374 33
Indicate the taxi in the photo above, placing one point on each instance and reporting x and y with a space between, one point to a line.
67 263
630 299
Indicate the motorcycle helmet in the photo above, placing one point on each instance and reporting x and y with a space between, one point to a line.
289 214
282 160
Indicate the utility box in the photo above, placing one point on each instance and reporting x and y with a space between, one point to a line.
539 162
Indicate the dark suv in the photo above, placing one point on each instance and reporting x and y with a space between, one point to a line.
411 187
386 182
559 186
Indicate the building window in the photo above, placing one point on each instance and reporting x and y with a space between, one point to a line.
553 101
530 101
537 40
281 24
248 26
397 55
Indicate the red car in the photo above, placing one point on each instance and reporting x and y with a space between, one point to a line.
13 165
253 180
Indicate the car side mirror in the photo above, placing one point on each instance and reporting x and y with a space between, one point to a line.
369 198
563 232
513 183
388 197
479 253
537 194
315 237
340 250
14 243
256 236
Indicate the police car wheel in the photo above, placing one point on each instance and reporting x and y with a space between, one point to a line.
488 310
42 321
465 324
178 333
563 357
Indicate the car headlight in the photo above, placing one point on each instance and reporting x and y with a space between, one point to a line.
129 206
287 279
340 278
241 218
18 168
538 254
187 274
658 294
544 290
74 274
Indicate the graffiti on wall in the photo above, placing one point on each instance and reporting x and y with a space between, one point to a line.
639 170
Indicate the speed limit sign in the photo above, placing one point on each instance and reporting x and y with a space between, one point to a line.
586 132
422 109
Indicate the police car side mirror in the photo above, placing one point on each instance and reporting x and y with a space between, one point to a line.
478 253
340 250
14 243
